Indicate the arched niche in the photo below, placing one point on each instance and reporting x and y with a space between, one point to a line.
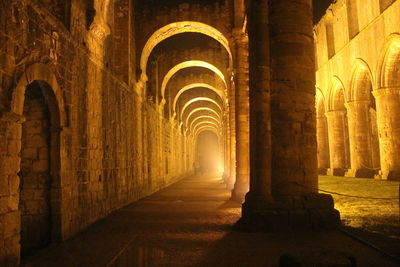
38 88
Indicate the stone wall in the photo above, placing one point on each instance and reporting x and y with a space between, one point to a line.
357 51
98 162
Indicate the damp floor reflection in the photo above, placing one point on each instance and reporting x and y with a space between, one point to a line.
138 256
191 223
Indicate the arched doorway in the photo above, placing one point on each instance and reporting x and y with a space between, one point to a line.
39 167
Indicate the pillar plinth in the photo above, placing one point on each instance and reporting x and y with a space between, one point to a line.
283 148
388 116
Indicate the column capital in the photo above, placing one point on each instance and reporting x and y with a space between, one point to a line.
386 91
355 104
99 29
332 113
240 36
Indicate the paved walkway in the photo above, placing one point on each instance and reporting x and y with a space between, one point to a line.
190 224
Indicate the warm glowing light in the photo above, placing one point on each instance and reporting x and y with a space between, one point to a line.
204 117
192 86
319 97
207 128
196 110
198 99
199 124
208 152
336 87
189 64
177 28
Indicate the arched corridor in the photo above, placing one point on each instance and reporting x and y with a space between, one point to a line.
187 123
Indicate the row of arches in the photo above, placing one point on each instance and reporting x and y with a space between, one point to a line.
192 93
358 127
199 110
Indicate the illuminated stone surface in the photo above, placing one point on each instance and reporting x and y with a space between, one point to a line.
358 54
128 88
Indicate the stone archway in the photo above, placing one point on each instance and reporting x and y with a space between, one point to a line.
39 136
189 64
39 161
361 109
338 132
174 29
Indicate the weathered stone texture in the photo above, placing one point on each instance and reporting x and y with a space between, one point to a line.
364 43
100 120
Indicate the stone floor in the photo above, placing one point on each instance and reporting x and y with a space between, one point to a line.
190 224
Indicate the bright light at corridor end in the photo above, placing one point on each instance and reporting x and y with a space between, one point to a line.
208 154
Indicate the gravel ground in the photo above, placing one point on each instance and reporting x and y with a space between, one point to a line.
375 220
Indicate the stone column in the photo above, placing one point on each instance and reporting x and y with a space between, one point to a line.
337 142
232 125
323 144
360 146
294 146
227 171
388 114
259 196
242 118
283 149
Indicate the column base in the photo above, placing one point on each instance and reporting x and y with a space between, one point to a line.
388 175
322 171
360 173
225 177
336 172
238 195
309 212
